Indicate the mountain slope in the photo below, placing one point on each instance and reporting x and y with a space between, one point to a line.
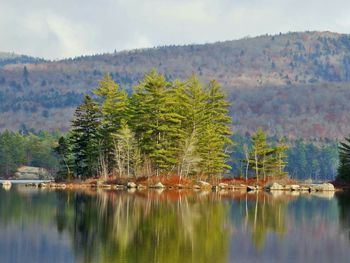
293 84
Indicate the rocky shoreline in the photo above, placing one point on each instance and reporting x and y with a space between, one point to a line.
198 185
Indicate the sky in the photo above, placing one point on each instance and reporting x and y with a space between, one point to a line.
67 28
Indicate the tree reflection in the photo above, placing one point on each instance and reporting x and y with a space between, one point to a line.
343 199
266 214
123 227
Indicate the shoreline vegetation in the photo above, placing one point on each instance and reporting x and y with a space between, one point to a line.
161 129
174 135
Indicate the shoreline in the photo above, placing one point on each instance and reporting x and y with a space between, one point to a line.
177 183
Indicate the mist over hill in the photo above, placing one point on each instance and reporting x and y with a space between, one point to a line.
294 84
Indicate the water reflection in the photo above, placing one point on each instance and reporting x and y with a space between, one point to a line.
266 213
113 227
172 226
344 212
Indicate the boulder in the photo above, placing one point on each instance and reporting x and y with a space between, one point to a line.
292 187
140 186
131 185
204 184
42 185
223 185
32 173
158 185
324 187
251 188
273 187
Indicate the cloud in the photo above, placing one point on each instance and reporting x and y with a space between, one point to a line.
66 28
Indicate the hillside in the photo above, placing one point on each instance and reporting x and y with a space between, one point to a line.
12 58
294 84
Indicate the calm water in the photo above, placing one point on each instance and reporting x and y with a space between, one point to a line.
60 226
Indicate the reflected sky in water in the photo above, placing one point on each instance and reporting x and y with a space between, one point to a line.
105 226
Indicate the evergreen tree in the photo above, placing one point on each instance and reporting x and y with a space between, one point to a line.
85 138
64 150
191 101
114 108
277 162
344 160
156 123
259 153
216 134
205 127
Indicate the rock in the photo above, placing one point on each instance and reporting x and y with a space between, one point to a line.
204 184
292 187
131 185
215 188
158 185
104 186
6 184
223 185
251 188
231 187
273 187
42 185
32 173
140 186
324 187
304 188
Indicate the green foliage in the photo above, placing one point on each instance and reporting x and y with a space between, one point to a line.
85 138
33 150
64 151
113 106
317 160
156 123
344 161
161 128
265 159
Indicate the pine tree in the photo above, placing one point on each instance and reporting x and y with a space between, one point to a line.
114 108
85 138
191 101
217 132
155 121
64 150
276 160
259 154
344 161
205 119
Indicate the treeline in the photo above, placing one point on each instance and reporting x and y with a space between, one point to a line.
344 161
162 128
304 160
17 149
262 159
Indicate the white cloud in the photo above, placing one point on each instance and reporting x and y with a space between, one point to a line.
56 29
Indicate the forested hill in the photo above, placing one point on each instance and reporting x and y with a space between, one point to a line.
12 58
295 84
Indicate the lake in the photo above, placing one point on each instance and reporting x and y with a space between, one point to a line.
39 225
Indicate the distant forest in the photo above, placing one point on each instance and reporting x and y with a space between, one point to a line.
293 85
179 127
306 160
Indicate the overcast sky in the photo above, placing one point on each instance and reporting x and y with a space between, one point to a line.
67 28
